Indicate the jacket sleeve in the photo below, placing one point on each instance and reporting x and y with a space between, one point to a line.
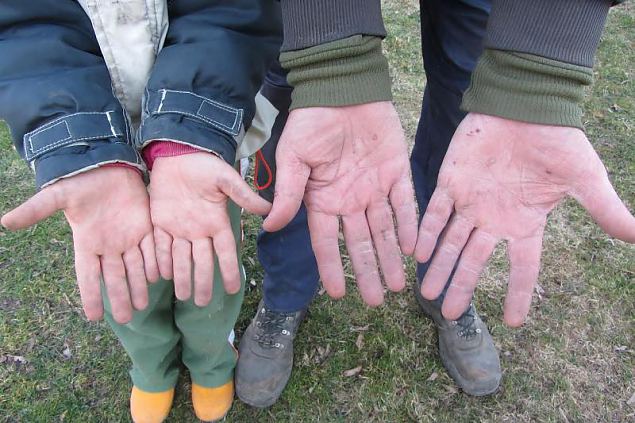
202 88
55 91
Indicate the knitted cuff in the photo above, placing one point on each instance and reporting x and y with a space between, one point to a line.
158 149
340 73
528 88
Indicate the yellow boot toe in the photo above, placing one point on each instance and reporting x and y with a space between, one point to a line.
212 404
150 407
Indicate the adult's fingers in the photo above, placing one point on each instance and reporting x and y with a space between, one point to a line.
324 230
362 254
39 207
203 255
114 273
476 253
383 232
136 276
524 257
599 198
291 178
88 270
235 187
182 256
225 250
446 256
434 220
163 245
150 264
402 200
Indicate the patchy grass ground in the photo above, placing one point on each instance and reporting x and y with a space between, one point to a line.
573 361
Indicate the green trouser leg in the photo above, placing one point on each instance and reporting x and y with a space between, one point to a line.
153 337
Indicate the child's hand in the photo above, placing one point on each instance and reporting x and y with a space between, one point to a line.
188 202
108 211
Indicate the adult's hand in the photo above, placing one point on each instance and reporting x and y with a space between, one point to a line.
349 163
499 180
188 202
108 211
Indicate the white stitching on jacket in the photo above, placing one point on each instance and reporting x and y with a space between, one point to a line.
238 113
32 152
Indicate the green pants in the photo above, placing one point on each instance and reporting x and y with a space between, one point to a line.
168 329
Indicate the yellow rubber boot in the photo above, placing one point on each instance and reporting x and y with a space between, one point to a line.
150 407
212 404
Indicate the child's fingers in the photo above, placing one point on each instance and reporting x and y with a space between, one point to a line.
135 274
225 250
114 274
235 187
148 250
182 256
88 270
163 244
37 208
203 255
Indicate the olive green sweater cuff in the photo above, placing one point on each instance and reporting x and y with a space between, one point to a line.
528 88
339 73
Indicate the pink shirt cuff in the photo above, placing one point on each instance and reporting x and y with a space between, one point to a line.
166 149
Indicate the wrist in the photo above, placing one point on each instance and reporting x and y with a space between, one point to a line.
124 166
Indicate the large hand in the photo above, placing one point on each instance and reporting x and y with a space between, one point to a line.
188 200
499 180
348 162
108 211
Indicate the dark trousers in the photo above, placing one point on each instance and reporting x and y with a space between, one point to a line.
452 32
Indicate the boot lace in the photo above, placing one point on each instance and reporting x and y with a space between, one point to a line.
467 325
270 325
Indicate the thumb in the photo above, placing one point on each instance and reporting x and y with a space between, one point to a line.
235 187
39 207
291 178
599 198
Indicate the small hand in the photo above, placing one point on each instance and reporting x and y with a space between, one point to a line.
108 211
349 163
499 180
188 200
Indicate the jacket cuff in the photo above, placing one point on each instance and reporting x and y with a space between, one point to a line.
563 30
341 73
193 120
309 23
527 88
79 142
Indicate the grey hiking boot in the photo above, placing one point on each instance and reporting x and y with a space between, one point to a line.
466 349
265 356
